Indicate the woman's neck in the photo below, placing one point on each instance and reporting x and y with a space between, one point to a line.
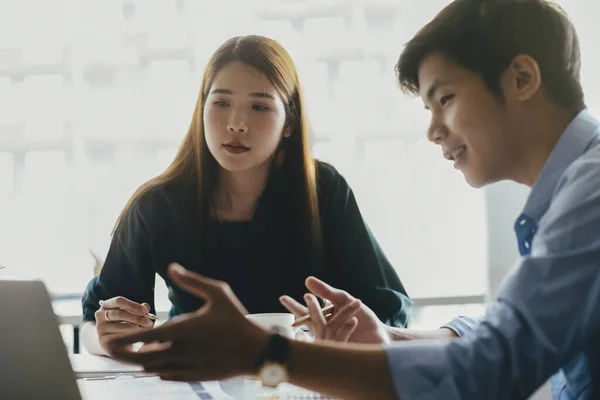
237 193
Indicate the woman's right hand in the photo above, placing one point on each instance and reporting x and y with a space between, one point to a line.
120 315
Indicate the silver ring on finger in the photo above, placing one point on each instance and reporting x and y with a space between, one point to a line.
107 317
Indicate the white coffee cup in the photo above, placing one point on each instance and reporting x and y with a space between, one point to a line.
280 322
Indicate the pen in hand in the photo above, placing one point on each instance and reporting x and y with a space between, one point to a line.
148 315
326 311
151 316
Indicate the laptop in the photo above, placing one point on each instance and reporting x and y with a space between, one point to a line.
34 363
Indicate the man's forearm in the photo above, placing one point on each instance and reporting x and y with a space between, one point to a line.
348 372
399 334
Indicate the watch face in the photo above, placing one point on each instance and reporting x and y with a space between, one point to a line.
272 374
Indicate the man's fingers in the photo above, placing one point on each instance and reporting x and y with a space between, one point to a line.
197 284
156 356
178 272
124 304
119 328
171 362
346 330
153 346
145 358
322 289
341 317
182 375
161 334
318 319
293 306
206 288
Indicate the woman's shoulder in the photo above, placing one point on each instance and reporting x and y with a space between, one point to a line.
330 182
163 201
327 173
164 193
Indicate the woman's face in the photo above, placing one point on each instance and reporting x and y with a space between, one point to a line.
244 118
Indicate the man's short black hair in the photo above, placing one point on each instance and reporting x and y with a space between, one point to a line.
486 35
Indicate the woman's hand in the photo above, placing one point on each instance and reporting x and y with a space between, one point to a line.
120 315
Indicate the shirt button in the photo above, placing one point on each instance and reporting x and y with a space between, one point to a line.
523 222
526 245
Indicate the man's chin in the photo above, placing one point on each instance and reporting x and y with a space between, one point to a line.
475 180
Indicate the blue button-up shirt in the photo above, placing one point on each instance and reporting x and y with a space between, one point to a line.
547 313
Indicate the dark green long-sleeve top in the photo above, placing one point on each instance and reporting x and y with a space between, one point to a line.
258 258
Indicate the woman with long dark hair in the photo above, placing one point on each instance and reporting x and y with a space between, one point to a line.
244 202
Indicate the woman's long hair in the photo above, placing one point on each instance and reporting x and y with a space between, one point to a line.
293 161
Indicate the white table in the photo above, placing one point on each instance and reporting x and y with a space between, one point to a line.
132 382
127 388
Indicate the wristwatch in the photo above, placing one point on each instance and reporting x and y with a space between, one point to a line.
272 370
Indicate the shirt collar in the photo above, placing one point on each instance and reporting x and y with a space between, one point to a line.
573 142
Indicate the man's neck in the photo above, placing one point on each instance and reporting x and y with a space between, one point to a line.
540 135
238 192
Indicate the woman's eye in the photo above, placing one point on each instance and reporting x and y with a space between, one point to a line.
220 103
260 107
446 99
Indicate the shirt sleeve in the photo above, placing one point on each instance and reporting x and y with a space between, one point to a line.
462 325
355 261
546 313
128 270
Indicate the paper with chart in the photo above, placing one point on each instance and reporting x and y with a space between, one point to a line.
151 388
88 366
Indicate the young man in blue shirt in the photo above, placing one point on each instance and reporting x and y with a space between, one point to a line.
501 81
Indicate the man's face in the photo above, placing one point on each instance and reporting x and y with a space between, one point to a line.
468 121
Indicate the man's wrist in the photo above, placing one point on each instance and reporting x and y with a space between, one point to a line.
400 334
256 344
449 332
389 332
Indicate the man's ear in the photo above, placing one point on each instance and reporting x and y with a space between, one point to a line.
523 78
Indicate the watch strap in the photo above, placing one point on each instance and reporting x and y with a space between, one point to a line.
277 350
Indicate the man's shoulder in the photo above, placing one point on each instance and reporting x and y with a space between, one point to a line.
583 175
573 218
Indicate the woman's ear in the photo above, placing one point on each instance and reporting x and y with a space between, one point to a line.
287 131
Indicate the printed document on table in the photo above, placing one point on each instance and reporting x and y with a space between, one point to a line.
149 388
